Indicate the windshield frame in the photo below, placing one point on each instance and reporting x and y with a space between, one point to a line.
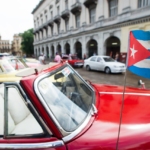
67 135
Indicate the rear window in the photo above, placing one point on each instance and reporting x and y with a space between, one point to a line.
74 57
64 57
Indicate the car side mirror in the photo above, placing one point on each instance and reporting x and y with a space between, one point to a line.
142 84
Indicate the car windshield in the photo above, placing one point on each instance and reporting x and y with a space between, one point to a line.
65 57
108 59
68 97
74 57
6 67
17 63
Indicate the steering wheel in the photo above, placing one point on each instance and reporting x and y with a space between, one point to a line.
63 89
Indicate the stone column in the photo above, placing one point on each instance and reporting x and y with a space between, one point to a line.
71 46
84 50
45 53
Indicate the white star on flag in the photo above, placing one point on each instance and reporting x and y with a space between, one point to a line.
133 51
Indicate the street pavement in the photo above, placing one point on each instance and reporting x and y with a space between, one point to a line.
127 78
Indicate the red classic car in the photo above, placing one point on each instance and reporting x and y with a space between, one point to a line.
54 108
73 60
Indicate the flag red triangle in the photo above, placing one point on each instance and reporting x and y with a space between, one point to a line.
140 51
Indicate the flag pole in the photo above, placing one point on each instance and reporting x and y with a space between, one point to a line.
122 106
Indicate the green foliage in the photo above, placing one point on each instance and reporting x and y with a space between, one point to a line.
27 42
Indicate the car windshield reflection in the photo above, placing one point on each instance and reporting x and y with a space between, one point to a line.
108 59
68 97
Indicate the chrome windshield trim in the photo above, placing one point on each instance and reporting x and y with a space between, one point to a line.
126 93
43 101
69 135
32 145
78 130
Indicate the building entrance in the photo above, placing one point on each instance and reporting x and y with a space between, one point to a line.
113 47
92 47
78 48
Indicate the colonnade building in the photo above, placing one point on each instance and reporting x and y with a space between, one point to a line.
87 26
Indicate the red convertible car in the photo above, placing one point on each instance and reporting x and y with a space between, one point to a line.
73 60
54 108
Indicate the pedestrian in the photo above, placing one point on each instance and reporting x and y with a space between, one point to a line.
111 53
42 59
84 56
57 58
94 54
117 57
70 58
24 56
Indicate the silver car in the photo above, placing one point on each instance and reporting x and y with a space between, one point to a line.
104 63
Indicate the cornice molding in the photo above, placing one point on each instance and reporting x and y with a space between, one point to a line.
103 28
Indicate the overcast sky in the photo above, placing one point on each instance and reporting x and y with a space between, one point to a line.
15 17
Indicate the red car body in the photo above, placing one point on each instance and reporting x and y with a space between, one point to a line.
119 118
74 61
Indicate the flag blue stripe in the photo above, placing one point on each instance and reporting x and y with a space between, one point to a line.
143 72
141 35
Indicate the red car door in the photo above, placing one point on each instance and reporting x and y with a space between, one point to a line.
20 125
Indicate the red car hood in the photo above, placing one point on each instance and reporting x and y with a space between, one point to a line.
135 118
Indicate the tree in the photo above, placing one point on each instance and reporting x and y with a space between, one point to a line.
27 42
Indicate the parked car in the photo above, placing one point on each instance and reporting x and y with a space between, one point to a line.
16 62
73 60
4 55
22 63
56 109
32 62
104 63
7 71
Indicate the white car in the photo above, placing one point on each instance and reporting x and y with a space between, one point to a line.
104 63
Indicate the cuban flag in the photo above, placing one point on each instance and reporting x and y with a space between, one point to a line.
139 53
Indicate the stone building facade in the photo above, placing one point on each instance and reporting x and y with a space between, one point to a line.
16 45
87 26
5 46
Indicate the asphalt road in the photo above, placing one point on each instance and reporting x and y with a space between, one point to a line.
115 79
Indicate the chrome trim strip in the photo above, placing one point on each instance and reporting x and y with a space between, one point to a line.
43 101
77 131
32 146
118 93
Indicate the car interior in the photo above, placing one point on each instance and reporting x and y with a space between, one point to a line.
20 120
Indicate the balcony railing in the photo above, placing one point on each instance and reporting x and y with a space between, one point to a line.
88 3
65 14
37 29
76 8
57 1
57 19
50 22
